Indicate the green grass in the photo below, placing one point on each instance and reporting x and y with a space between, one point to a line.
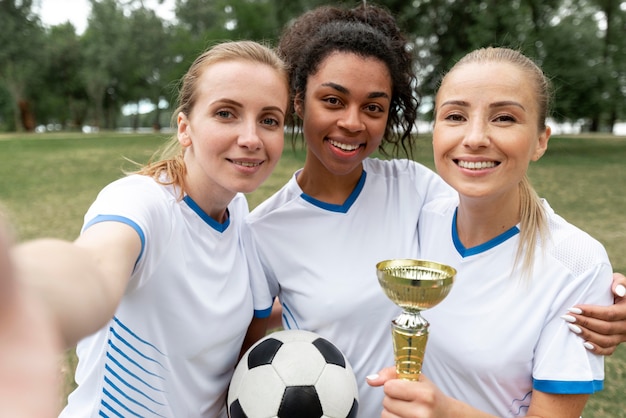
47 181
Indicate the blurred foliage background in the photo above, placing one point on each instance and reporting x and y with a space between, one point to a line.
128 58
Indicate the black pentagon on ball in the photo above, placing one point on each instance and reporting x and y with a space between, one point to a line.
236 411
300 402
354 410
331 354
263 353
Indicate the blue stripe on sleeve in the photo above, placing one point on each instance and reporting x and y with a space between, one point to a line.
568 387
124 220
262 313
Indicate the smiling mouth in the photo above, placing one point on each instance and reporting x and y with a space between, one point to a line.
246 163
476 165
342 146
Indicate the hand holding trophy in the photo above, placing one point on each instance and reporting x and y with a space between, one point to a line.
414 285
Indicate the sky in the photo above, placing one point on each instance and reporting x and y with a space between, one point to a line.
56 12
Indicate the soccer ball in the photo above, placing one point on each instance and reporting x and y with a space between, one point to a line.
293 374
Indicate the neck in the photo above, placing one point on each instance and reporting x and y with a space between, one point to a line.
320 183
212 199
479 221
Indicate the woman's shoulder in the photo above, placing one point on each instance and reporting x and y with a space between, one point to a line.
288 193
138 185
409 175
395 165
132 196
570 243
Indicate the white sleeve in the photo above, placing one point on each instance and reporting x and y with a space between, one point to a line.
261 294
560 356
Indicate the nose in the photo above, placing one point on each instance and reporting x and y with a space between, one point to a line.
477 134
249 136
351 120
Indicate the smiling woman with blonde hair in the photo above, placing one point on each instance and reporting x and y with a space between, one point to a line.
498 344
156 288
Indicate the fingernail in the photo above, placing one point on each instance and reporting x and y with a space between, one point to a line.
568 318
575 311
574 328
589 346
372 377
620 290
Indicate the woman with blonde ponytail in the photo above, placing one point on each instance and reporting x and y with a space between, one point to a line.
156 288
498 344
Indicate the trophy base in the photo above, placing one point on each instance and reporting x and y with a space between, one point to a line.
409 346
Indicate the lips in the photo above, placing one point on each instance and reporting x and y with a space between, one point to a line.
247 163
476 165
342 146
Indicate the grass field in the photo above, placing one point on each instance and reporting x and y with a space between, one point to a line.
47 182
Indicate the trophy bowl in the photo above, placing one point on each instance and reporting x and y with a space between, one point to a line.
414 285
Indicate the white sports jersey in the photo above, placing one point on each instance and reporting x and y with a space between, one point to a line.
172 345
320 259
498 334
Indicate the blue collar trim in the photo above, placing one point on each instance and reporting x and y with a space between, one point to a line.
345 207
219 227
494 242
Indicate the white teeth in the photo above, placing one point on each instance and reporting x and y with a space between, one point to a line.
344 147
476 165
246 164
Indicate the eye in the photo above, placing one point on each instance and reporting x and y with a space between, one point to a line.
374 108
504 118
454 117
333 101
271 121
224 114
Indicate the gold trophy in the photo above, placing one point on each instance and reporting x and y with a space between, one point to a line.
414 285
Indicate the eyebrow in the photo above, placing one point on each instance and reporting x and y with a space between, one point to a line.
342 89
237 104
491 105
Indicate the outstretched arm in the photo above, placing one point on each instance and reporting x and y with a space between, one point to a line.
602 327
80 283
30 348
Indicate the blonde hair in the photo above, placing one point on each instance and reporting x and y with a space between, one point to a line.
170 159
533 220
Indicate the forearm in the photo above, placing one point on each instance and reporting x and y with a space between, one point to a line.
29 355
70 284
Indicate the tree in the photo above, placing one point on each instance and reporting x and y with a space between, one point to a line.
21 43
573 62
613 60
105 44
63 98
129 55
444 30
147 61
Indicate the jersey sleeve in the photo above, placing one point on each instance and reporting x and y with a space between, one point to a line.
143 205
430 186
562 364
261 293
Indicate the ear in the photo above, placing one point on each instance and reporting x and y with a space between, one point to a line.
183 133
542 143
298 105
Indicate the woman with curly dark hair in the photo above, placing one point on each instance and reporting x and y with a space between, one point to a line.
320 236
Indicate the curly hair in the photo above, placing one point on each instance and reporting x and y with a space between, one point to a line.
367 31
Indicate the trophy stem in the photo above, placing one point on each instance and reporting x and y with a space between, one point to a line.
410 334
